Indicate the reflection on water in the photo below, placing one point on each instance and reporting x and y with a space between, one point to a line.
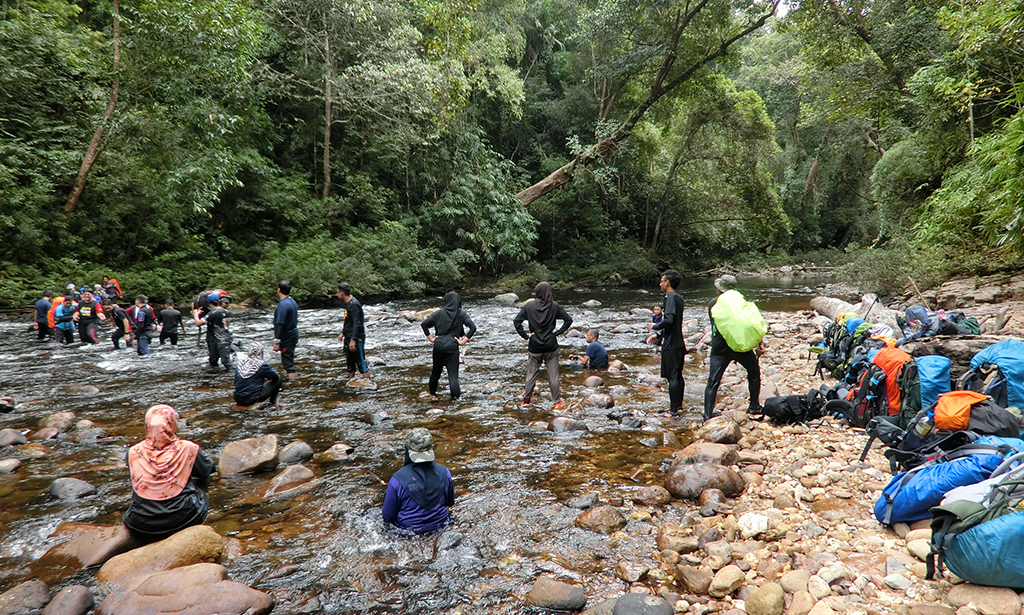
327 550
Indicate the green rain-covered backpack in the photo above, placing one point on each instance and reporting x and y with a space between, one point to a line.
738 321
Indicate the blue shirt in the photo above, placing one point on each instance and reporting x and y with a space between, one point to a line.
64 312
42 309
401 510
286 321
598 355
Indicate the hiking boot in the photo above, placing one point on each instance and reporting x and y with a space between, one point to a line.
755 408
526 402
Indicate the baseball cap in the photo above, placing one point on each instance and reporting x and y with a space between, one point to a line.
420 445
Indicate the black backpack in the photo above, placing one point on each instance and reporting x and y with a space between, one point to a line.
869 399
986 379
789 409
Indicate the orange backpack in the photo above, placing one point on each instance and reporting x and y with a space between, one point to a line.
892 360
953 410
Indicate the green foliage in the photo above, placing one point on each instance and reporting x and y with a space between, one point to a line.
887 271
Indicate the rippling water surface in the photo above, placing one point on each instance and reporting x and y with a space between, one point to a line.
327 550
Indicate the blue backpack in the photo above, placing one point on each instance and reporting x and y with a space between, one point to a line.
1008 356
910 495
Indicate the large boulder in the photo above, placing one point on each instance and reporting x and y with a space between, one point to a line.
192 545
602 519
720 430
88 545
249 455
553 595
199 589
27 597
706 452
688 481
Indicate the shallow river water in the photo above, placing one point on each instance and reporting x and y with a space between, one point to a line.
327 550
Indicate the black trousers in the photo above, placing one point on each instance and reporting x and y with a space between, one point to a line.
44 330
169 334
446 358
218 351
65 336
718 363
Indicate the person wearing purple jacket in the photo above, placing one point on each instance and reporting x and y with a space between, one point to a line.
419 494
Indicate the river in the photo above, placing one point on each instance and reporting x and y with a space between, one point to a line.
327 550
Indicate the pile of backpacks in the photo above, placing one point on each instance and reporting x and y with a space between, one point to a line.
955 451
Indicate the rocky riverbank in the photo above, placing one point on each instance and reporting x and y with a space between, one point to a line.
767 520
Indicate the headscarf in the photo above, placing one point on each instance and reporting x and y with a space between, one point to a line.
446 320
253 361
424 482
541 311
161 464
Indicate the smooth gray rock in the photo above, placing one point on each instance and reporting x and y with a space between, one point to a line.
72 600
27 597
296 452
70 489
642 604
10 437
548 593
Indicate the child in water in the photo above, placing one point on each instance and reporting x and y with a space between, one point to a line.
655 319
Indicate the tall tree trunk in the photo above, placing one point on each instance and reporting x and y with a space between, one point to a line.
94 145
328 75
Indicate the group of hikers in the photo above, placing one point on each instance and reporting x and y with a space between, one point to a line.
170 475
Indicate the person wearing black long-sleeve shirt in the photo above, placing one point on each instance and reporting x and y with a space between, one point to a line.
450 324
673 347
541 314
353 333
286 328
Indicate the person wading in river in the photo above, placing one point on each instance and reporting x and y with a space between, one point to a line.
353 334
418 495
170 478
673 348
450 324
88 314
541 314
286 328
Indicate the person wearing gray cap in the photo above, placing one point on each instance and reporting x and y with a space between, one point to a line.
722 355
418 495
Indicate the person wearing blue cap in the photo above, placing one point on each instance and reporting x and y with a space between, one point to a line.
218 338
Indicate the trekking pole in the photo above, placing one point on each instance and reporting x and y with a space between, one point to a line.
918 291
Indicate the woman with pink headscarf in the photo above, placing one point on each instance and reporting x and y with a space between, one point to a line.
170 478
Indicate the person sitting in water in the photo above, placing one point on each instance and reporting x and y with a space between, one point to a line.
656 318
419 494
596 356
255 381
170 478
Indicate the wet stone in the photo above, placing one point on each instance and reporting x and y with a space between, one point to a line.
10 437
249 455
70 489
706 452
653 495
548 593
63 421
720 430
296 452
711 496
6 404
199 589
192 545
89 545
376 418
561 424
593 382
600 400
72 600
602 519
84 424
650 442
46 433
642 604
339 451
293 477
583 502
84 390
27 597
630 572
688 481
9 466
631 422
89 436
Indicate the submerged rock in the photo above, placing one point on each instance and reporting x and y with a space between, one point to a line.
593 382
602 519
292 479
89 545
561 424
10 437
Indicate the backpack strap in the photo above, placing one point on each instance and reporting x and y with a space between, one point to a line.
889 497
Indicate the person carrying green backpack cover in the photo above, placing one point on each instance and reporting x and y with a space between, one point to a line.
737 329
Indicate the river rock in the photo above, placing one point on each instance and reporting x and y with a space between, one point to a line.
801 604
692 579
9 466
89 545
783 501
63 421
795 580
727 580
987 600
84 424
28 597
601 519
362 382
912 535
296 452
192 545
70 489
507 298
199 589
818 587
561 424
593 382
630 572
548 593
617 366
706 452
84 390
87 436
46 433
653 495
930 609
9 437
72 600
583 502
375 418
339 451
6 404
600 400
688 481
920 548
676 538
720 430
769 599
294 477
623 328
753 524
249 455
711 497
642 604
897 581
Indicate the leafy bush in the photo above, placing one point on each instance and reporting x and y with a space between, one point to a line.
887 271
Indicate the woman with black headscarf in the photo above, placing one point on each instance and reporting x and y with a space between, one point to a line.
541 314
450 324
419 494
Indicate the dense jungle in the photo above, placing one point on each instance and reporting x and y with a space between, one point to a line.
418 145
